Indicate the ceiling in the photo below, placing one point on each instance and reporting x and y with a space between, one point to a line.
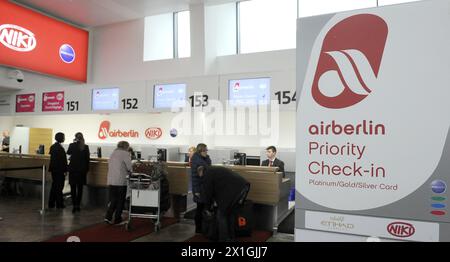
92 13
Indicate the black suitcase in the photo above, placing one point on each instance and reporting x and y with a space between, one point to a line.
210 227
244 221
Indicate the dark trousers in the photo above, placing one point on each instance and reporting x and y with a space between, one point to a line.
226 218
198 217
76 192
117 195
56 192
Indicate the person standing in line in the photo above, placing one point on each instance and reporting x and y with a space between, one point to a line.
119 166
58 168
199 158
78 169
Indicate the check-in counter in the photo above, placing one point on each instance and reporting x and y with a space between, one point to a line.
17 166
268 190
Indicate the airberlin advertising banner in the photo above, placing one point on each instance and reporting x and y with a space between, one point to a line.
52 101
107 132
25 103
373 122
35 42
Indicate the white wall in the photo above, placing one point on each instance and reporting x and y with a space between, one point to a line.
117 58
89 125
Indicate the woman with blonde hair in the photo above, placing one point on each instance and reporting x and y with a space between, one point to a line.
190 154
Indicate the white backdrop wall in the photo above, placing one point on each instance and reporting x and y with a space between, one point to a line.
89 125
117 61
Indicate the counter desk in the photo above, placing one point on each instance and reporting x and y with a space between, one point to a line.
268 190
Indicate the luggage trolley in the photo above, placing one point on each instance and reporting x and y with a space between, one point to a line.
145 195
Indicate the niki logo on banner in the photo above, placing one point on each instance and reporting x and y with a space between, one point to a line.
17 38
401 229
349 61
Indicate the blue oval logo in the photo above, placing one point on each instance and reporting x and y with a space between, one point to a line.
67 53
173 132
438 205
438 186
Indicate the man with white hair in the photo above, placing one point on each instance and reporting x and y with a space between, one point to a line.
5 141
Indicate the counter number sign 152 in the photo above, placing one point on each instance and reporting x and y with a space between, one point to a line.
130 103
285 97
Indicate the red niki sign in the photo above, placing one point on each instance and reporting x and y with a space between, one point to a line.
25 103
35 42
52 101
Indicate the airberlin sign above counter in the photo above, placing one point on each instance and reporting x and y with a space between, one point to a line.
35 42
373 133
105 132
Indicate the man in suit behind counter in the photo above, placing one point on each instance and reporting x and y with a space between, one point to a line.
272 160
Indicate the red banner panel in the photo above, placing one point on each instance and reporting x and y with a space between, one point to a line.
52 101
25 103
35 42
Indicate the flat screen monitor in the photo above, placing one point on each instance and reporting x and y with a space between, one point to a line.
249 92
168 95
253 161
105 99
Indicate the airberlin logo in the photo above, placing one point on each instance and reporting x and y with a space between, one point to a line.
17 38
349 61
104 132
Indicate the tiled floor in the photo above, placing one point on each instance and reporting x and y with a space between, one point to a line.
22 222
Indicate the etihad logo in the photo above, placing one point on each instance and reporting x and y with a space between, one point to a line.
337 223
401 229
17 38
104 132
349 61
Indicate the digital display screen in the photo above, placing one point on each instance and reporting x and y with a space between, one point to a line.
105 99
249 92
168 95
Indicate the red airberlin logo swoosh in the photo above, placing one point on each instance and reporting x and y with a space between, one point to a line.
104 129
349 61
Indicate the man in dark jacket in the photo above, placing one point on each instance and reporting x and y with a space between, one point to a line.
58 168
78 169
228 190
200 158
272 160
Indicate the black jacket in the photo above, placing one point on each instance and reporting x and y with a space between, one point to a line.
277 162
223 186
58 159
79 163
197 161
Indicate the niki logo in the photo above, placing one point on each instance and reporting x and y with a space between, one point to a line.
349 61
401 229
17 38
105 131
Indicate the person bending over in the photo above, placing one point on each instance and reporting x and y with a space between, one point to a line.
228 190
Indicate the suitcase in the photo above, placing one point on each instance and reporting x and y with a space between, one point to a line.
244 220
210 228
